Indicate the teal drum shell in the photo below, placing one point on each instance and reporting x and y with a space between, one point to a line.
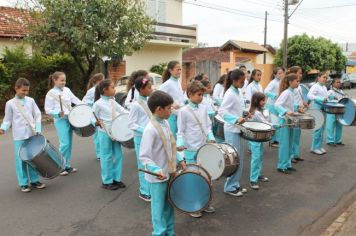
334 108
190 190
348 118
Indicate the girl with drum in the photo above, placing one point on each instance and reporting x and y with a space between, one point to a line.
333 127
258 101
172 86
23 115
231 110
58 103
272 92
285 106
139 117
218 91
106 109
318 94
89 100
132 92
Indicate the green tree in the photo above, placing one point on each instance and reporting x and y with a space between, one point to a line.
89 30
159 69
312 53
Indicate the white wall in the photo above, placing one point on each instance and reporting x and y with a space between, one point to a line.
269 58
12 43
165 11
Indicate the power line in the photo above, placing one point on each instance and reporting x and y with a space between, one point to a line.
295 9
328 7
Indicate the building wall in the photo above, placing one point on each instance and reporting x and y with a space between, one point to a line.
165 11
12 43
152 55
269 58
267 70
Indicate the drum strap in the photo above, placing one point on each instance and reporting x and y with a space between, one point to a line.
113 110
59 99
197 120
170 158
29 119
145 108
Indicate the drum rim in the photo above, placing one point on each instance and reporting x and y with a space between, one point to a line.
41 150
341 118
258 130
171 180
122 114
71 112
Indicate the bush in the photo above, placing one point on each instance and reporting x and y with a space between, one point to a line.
159 69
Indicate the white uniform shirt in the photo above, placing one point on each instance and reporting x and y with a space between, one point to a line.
298 96
138 117
243 89
253 88
218 92
286 101
189 130
103 109
152 152
233 104
128 101
318 93
273 88
52 105
336 93
89 97
21 129
174 88
209 103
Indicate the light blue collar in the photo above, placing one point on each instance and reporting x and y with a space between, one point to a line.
174 79
58 88
291 89
192 104
321 84
20 98
234 89
205 95
143 98
158 119
256 82
105 97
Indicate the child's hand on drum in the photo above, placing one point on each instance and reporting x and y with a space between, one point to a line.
182 165
290 113
301 109
2 132
61 114
241 121
161 176
181 148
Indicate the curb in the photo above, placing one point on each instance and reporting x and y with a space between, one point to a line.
340 221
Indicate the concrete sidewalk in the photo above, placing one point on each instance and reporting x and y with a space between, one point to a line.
345 224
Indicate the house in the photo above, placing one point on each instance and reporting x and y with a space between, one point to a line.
219 60
351 63
13 29
270 55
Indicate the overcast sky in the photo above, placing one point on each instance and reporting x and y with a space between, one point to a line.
244 19
333 19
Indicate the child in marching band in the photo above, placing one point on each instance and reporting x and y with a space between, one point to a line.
208 101
106 109
272 93
318 94
285 106
139 117
132 92
231 111
333 127
194 128
218 91
58 103
258 101
254 84
158 154
22 113
172 86
89 100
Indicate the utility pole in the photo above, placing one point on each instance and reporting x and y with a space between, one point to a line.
265 39
285 47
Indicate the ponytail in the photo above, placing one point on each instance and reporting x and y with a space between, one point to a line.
132 93
285 82
233 75
167 74
134 75
99 89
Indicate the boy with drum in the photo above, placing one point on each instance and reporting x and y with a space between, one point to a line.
194 128
158 155
22 113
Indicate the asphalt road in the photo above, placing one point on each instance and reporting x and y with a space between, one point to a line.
77 205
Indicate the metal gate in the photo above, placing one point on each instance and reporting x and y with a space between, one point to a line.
210 68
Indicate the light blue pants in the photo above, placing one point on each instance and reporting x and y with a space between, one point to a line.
256 160
333 129
25 173
318 135
285 146
96 144
110 160
161 210
190 157
172 121
233 182
65 136
296 142
144 187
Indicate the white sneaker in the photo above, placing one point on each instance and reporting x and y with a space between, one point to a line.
235 193
243 190
64 173
317 151
209 209
196 215
322 150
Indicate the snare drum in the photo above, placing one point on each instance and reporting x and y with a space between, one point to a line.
349 117
38 152
219 127
318 118
120 131
334 108
80 118
256 131
218 159
190 190
303 121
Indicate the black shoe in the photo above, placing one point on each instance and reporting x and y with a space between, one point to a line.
299 159
331 144
119 184
341 144
284 171
145 197
291 169
110 186
25 189
294 160
38 185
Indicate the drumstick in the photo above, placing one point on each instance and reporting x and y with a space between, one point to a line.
60 103
150 173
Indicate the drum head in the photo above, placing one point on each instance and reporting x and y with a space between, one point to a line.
32 147
120 130
212 158
318 116
190 191
81 116
258 126
348 117
305 91
333 104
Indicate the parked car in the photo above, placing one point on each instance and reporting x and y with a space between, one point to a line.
352 77
345 81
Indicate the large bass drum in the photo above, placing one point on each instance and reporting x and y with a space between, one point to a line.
120 131
349 117
318 118
80 117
